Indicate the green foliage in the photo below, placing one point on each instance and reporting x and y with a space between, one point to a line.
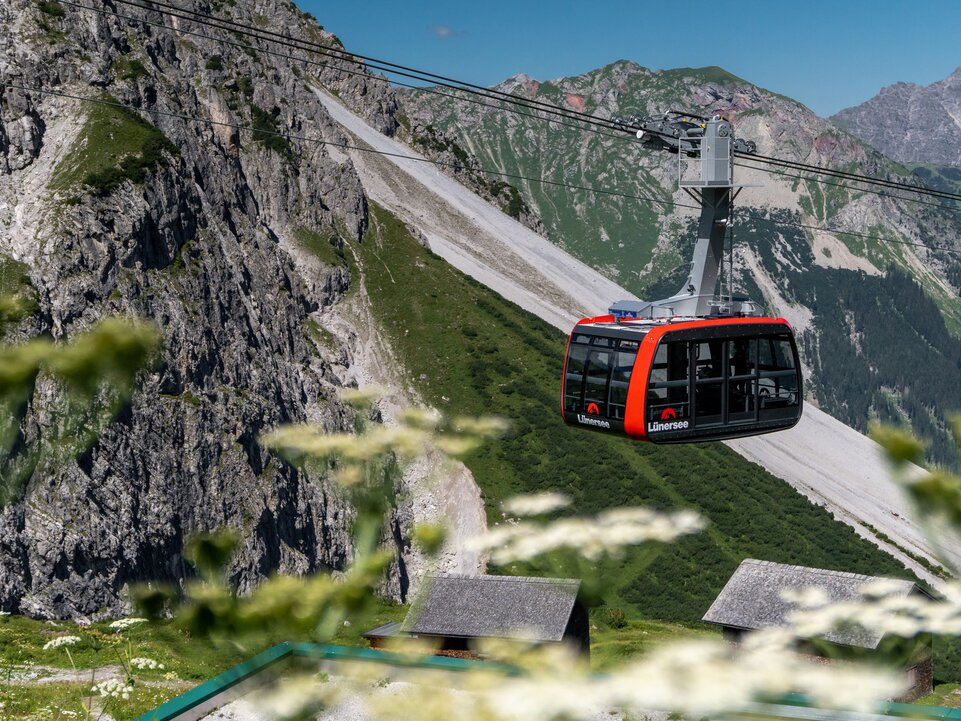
51 7
267 132
17 294
431 138
246 86
616 618
429 537
130 69
471 352
510 198
215 62
947 660
905 364
210 552
96 373
115 146
611 647
327 247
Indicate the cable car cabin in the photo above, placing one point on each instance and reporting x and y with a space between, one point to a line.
683 381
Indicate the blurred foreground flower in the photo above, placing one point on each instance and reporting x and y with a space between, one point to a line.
607 534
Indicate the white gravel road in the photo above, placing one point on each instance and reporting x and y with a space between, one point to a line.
830 463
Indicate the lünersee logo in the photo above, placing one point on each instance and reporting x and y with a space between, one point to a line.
587 420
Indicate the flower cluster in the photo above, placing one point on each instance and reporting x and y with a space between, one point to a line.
123 624
536 504
146 663
883 610
593 538
112 688
61 641
695 679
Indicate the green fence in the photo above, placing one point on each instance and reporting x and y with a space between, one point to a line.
792 706
220 685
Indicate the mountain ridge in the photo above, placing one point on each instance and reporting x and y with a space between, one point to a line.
909 122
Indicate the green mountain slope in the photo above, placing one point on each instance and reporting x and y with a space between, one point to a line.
468 351
645 244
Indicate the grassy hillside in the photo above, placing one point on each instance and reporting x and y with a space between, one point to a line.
470 352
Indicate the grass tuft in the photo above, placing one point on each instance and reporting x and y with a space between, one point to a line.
115 146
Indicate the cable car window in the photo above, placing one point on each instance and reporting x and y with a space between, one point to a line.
596 381
574 380
778 393
742 400
629 345
742 357
668 390
581 338
708 404
620 380
605 342
709 357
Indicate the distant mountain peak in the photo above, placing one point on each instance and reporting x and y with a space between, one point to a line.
911 123
519 81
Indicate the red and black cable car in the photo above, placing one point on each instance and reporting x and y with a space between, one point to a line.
682 380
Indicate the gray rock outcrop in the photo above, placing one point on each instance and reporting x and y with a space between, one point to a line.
206 248
911 123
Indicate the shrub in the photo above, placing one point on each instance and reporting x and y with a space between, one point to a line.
51 8
616 618
266 129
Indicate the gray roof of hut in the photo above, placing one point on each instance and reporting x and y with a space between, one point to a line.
536 609
387 630
752 599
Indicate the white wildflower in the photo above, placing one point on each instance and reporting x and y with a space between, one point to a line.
808 597
61 641
4 613
146 663
607 534
112 688
881 587
123 624
536 504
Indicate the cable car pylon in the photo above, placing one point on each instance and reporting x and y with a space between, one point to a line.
699 365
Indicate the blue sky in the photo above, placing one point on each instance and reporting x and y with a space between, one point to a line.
827 54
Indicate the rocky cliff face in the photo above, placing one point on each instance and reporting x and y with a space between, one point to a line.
206 240
911 123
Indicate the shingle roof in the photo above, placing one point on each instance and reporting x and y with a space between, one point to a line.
385 631
751 599
536 609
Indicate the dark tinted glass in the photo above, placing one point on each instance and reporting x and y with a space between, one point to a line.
595 387
707 404
741 356
620 380
709 359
